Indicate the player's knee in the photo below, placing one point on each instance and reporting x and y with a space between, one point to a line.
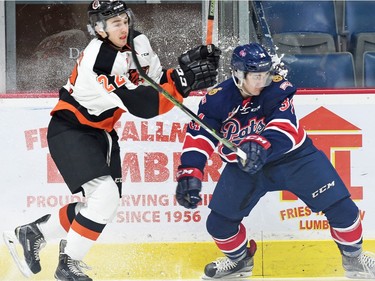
102 201
342 214
111 199
219 226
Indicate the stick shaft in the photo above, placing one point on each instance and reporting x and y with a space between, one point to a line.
263 27
186 110
210 21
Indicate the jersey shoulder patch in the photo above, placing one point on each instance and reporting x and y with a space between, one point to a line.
277 78
280 83
214 91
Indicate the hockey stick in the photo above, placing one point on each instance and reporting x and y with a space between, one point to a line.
210 21
186 110
262 27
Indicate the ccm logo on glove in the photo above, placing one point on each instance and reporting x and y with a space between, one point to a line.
181 75
259 139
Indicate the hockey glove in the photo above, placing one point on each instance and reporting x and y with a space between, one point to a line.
196 76
188 187
202 52
255 147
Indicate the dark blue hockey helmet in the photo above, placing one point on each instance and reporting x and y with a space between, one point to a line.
251 57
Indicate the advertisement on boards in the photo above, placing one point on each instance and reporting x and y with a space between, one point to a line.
340 125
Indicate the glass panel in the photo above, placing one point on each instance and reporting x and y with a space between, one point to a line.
44 38
49 37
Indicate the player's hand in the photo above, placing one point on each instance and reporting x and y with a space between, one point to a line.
196 76
188 187
203 52
256 149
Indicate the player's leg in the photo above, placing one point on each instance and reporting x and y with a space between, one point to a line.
346 231
115 163
233 198
230 237
102 199
321 188
85 166
32 241
35 235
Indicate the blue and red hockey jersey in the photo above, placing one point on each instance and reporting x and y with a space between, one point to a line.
271 114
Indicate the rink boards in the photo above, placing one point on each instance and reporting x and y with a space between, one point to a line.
152 237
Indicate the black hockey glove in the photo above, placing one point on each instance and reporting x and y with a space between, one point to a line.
196 76
256 149
203 52
188 187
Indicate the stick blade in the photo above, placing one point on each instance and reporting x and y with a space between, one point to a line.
11 241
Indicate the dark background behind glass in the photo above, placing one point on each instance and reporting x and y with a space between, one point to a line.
50 37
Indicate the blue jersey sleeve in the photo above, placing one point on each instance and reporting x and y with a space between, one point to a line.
282 126
199 144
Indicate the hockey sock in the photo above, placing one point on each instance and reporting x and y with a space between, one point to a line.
57 226
229 236
349 239
102 201
346 227
82 236
68 213
234 247
52 229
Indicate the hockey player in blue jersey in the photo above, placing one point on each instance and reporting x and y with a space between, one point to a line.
254 110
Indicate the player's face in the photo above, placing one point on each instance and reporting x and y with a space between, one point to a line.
254 82
118 30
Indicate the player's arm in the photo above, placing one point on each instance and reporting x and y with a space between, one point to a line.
146 102
197 148
199 144
150 61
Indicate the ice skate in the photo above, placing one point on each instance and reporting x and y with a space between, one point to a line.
224 268
361 267
69 269
32 241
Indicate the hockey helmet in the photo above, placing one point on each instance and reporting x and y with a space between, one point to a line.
251 57
252 68
100 11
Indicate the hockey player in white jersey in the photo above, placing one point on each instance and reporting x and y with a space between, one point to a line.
81 137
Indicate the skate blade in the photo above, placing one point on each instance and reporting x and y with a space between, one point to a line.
10 241
232 277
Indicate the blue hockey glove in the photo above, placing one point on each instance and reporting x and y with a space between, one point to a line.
203 52
255 147
188 187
